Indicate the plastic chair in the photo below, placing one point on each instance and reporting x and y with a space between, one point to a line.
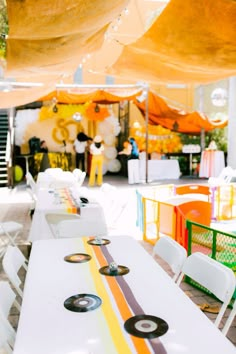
7 301
9 230
54 218
79 228
172 253
230 319
213 276
77 173
32 190
12 262
81 179
224 177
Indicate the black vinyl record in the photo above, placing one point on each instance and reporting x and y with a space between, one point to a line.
146 326
82 302
101 242
77 258
121 270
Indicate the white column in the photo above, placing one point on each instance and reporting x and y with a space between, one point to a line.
231 160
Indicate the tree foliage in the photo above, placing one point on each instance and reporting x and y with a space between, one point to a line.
3 27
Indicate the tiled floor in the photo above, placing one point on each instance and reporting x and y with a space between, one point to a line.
15 205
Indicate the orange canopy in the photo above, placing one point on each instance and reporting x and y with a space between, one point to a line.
160 113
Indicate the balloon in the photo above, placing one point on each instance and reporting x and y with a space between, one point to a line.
114 166
18 173
104 168
109 140
110 153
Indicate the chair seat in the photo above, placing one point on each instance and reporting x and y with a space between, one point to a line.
10 227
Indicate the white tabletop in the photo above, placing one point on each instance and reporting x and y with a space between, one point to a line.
64 200
46 326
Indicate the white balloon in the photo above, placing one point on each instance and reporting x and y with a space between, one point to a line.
110 152
109 140
114 166
104 168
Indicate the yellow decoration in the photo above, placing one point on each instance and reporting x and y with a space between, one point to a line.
160 140
63 111
61 131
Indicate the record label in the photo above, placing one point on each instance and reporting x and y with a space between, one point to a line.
121 270
82 302
146 326
77 258
99 242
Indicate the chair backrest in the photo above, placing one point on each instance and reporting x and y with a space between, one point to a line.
81 179
7 301
172 253
230 319
77 173
213 276
31 182
80 228
54 218
12 261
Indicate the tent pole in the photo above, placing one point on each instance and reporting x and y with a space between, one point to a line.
146 123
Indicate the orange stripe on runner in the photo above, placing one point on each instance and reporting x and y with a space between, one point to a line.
139 343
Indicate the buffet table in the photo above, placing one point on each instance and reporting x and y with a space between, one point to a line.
212 163
52 319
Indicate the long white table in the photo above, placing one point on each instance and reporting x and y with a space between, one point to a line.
62 201
47 327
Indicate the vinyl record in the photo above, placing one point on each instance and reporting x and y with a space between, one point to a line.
82 303
146 326
121 270
77 258
101 242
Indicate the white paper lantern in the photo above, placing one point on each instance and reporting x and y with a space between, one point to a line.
110 152
114 165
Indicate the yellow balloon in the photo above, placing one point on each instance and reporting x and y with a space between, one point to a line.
18 173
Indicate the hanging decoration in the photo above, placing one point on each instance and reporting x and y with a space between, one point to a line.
95 112
62 111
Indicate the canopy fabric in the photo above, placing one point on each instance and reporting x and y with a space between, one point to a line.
191 42
91 95
160 113
188 42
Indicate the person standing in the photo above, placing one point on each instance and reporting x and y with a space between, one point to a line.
80 145
133 163
96 150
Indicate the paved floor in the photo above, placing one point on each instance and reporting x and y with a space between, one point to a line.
15 205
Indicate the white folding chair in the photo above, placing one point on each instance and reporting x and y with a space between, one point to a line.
12 262
9 230
213 276
224 177
32 189
230 319
81 179
7 301
54 218
77 173
172 253
80 227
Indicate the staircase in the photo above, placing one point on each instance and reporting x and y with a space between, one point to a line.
3 144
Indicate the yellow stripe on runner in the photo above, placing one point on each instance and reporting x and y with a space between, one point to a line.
139 343
114 325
